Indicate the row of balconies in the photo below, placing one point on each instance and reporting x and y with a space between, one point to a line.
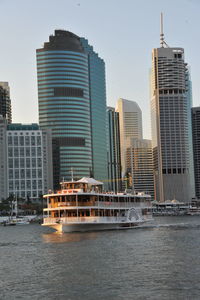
98 204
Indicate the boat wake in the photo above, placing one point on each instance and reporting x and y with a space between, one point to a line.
175 226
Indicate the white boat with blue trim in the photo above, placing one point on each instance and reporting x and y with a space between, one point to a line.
83 206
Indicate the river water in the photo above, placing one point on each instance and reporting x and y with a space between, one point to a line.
161 261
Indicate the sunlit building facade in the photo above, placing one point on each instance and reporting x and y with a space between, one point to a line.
130 124
171 125
139 160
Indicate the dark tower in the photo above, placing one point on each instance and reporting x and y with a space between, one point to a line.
5 102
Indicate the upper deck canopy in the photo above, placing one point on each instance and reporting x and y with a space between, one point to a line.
90 181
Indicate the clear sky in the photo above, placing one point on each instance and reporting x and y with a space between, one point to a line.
123 32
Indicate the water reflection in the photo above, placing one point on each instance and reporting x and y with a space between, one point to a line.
59 237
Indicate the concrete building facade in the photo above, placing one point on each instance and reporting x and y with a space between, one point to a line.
139 160
27 165
130 123
171 128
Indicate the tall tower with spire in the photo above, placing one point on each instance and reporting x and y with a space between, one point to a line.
171 123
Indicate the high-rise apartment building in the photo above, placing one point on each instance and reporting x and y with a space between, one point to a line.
196 147
3 159
139 160
114 157
130 122
72 102
5 101
171 127
26 164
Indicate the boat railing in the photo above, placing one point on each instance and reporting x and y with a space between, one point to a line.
100 204
65 220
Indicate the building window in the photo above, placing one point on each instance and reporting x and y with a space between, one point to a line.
16 174
16 151
33 151
68 92
34 185
15 140
21 141
33 162
22 185
10 185
21 151
16 162
10 174
39 173
27 151
33 141
22 173
33 173
22 163
39 161
28 164
10 151
10 163
38 140
28 173
27 140
39 152
9 140
28 184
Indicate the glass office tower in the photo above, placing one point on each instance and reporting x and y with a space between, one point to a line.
72 103
114 155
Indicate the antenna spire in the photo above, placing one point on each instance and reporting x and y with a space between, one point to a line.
161 31
162 40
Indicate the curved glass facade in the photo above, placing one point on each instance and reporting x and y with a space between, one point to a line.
98 113
64 106
65 85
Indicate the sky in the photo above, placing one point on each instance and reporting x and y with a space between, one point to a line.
122 32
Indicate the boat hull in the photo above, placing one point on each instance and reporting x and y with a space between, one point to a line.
92 227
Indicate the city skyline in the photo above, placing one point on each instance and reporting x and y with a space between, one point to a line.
131 33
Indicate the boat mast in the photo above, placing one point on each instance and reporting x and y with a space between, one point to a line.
72 174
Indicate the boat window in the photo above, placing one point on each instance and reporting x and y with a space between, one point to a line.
71 198
83 198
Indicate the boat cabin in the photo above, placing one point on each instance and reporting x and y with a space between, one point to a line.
85 185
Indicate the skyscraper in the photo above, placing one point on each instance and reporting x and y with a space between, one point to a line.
196 147
114 157
140 166
72 102
130 122
26 160
170 112
5 101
